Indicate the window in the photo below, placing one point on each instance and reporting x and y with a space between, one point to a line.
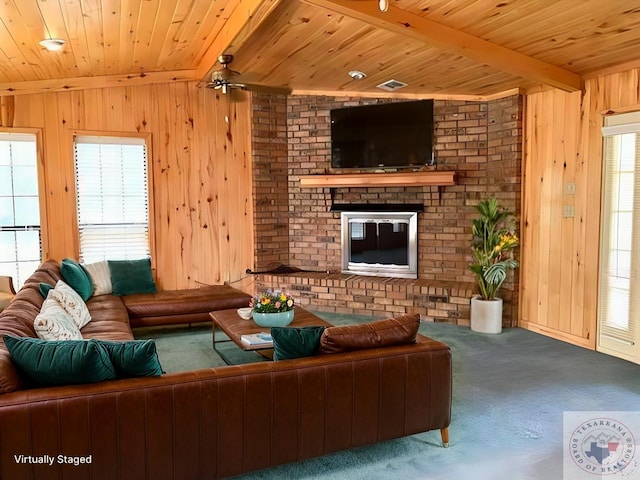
20 241
112 197
619 286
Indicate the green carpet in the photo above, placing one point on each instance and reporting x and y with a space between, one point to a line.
509 395
182 349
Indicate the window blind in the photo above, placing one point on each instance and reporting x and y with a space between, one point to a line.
112 198
20 239
619 289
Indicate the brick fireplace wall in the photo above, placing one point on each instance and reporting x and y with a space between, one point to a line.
270 180
480 141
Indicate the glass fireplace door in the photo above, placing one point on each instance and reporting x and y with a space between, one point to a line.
379 243
383 242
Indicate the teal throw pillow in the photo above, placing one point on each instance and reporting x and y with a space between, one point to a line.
135 358
131 276
44 289
77 278
44 363
295 342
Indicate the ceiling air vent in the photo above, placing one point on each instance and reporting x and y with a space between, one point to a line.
391 85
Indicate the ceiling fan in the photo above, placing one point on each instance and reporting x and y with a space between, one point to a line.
226 79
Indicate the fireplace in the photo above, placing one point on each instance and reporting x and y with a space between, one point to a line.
380 243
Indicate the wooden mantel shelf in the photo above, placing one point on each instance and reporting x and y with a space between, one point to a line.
406 179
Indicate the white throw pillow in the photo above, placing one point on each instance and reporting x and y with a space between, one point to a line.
54 323
100 277
71 302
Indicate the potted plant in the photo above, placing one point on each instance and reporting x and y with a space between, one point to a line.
272 308
493 242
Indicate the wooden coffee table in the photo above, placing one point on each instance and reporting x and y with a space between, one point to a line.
235 326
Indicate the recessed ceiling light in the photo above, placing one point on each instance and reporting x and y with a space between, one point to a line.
357 74
52 44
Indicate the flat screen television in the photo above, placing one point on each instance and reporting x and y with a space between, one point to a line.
389 135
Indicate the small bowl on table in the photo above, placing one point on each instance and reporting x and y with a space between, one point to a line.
245 313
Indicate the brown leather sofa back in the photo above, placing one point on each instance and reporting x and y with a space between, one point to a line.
110 315
28 301
223 422
17 319
392 331
109 319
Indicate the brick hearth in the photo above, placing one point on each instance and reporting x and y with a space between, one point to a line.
480 141
438 301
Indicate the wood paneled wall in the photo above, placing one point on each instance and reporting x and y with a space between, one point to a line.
200 164
563 146
201 167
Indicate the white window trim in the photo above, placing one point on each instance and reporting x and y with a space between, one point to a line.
612 339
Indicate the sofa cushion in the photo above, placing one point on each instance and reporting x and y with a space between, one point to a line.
45 288
46 363
9 377
19 327
100 277
54 322
77 277
295 342
180 302
136 358
71 302
392 331
131 276
109 319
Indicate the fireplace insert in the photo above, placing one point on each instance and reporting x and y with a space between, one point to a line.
380 243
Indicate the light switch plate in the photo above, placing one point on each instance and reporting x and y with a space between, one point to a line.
570 188
568 211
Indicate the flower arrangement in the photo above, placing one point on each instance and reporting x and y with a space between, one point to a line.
493 242
271 301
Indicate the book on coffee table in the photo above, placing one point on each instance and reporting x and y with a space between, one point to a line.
262 338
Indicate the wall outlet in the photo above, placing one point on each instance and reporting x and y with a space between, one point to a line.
570 188
568 211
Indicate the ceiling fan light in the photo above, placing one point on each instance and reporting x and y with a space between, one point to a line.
384 5
52 44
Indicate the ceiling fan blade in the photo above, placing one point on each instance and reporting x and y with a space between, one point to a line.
224 79
254 87
227 86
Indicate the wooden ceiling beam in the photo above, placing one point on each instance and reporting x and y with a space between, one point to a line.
244 18
412 96
83 83
427 31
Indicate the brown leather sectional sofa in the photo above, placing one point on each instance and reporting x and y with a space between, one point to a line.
209 423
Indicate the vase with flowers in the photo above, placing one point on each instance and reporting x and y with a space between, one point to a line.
272 308
494 240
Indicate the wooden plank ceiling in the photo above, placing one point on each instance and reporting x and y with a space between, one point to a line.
437 47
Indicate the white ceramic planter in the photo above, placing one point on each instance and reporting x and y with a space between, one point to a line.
486 315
